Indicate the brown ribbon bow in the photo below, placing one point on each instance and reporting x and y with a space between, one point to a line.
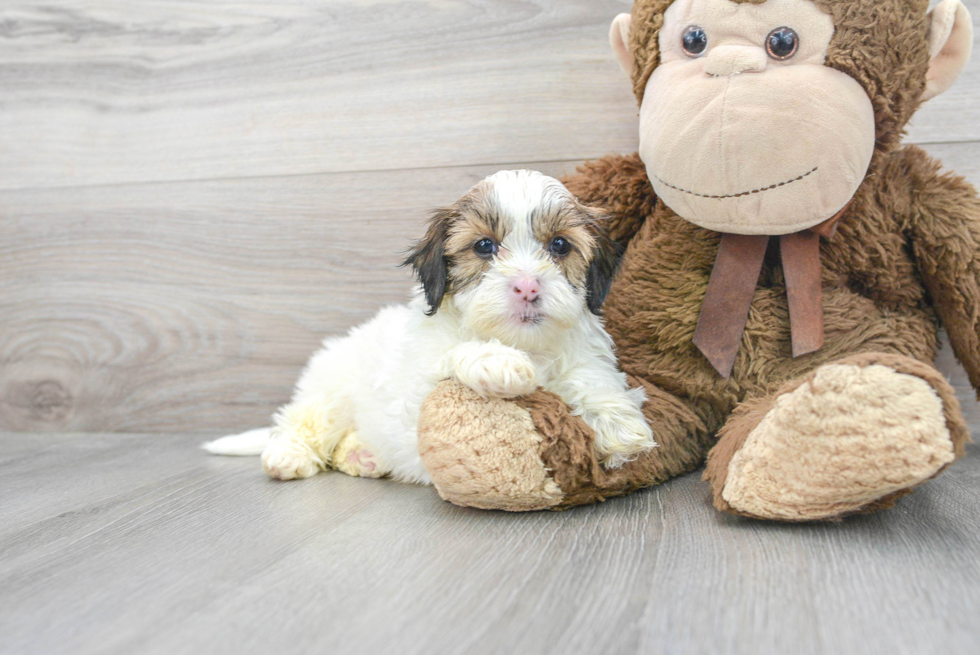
734 277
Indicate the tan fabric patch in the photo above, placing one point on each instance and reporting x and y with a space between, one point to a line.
846 438
880 43
483 452
753 145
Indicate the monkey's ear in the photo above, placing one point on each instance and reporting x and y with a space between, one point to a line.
619 38
950 44
606 256
428 259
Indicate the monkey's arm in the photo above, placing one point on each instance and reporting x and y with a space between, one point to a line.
944 213
618 185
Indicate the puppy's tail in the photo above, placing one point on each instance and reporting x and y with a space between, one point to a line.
245 444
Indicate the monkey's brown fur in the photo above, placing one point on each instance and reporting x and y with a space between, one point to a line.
905 261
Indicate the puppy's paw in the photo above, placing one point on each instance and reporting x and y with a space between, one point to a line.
621 431
354 458
623 445
493 369
287 460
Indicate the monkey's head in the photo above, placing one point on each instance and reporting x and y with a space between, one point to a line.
765 116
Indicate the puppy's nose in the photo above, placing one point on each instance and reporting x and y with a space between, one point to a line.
526 288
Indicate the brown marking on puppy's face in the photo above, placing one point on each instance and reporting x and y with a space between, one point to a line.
569 232
476 221
577 239
511 227
446 260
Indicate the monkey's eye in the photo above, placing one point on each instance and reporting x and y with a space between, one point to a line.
694 41
485 247
782 43
560 246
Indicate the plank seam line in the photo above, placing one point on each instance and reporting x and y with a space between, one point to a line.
206 180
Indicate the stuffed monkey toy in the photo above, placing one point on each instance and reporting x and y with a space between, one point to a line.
787 267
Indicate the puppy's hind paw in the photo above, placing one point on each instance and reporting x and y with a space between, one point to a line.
289 461
353 458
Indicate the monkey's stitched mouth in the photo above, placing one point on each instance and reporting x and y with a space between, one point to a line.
743 193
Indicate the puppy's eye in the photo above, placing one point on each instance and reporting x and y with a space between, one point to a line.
485 247
782 43
694 41
560 246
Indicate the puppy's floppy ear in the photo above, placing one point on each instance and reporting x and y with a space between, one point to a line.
606 256
428 258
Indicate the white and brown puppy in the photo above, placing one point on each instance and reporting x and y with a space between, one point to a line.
512 278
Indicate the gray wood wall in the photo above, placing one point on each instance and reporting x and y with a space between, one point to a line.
193 194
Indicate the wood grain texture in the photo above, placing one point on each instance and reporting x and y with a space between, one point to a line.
153 90
111 92
129 544
193 306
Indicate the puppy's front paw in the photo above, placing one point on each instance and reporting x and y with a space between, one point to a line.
623 444
621 431
493 369
286 460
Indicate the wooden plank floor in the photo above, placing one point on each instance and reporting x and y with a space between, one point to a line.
193 194
128 544
122 543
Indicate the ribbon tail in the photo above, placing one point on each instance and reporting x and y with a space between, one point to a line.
728 298
800 253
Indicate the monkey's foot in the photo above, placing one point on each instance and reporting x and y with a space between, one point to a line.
850 437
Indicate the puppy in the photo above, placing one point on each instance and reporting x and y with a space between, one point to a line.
512 278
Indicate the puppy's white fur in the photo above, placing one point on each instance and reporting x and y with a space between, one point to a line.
356 406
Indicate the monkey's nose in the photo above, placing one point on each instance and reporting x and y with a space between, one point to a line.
526 288
725 60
